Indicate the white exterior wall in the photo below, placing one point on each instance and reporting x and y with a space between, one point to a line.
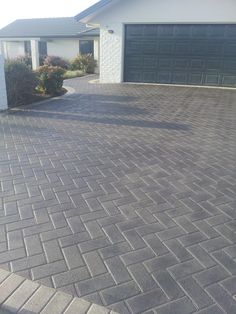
69 48
151 11
65 48
3 95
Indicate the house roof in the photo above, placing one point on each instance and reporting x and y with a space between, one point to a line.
47 27
91 11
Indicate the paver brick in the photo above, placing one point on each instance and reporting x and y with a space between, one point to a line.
118 293
73 257
211 276
168 285
196 293
71 276
20 296
142 277
180 306
94 263
50 269
33 245
57 304
121 190
95 284
52 251
118 270
224 299
38 301
8 286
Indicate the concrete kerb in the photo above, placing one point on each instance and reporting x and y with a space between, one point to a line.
21 295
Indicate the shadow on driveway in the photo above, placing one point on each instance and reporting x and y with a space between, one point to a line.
102 120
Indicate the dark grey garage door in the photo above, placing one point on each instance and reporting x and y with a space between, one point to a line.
181 54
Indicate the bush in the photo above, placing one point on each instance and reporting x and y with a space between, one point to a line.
72 74
56 62
85 63
50 79
20 82
27 60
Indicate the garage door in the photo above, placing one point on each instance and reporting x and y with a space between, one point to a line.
181 54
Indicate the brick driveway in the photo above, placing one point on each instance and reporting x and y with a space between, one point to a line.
124 195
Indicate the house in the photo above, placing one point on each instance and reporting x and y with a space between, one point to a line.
166 41
3 95
62 37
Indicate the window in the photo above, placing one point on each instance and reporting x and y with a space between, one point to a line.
43 51
86 47
27 48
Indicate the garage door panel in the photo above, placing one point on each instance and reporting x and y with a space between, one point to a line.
182 48
150 47
217 31
199 31
228 80
150 62
164 77
150 30
165 31
181 31
212 79
166 47
198 47
181 54
215 48
165 63
195 79
230 31
214 64
181 63
230 49
149 76
179 78
229 67
197 64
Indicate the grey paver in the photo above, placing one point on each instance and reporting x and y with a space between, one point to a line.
117 191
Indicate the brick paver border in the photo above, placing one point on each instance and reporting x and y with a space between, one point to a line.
20 295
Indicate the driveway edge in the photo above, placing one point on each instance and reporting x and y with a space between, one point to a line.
21 295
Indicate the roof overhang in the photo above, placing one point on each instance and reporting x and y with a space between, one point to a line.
87 15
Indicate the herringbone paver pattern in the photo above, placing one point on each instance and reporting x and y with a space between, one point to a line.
124 195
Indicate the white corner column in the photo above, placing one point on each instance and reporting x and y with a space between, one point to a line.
3 93
35 53
96 53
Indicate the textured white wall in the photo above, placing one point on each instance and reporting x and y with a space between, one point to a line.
151 11
3 96
111 54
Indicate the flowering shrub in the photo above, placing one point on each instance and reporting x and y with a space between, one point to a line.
85 63
56 62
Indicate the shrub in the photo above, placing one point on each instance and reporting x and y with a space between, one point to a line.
50 79
72 74
20 82
85 63
56 62
25 59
